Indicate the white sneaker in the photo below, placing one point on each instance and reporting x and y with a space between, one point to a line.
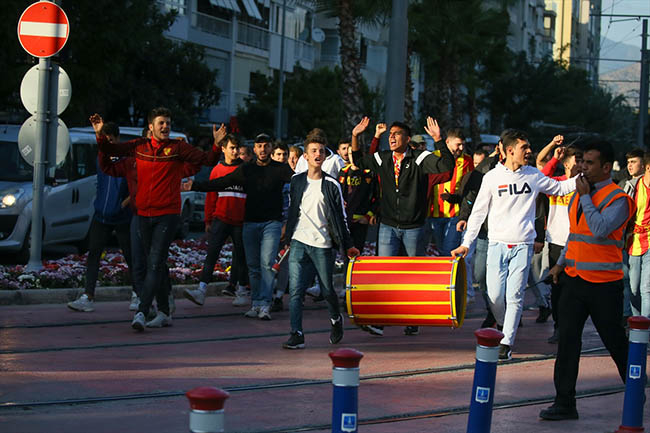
242 298
160 320
138 321
264 312
313 291
135 302
253 312
83 304
195 295
172 304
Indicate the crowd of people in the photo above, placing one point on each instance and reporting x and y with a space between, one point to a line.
577 239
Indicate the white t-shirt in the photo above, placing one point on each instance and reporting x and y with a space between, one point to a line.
510 199
312 221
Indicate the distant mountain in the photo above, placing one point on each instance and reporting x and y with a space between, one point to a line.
624 81
616 50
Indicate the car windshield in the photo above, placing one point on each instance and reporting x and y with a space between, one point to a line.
12 166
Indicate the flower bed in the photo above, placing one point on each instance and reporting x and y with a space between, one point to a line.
185 262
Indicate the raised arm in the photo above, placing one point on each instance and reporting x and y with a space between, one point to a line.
358 129
556 141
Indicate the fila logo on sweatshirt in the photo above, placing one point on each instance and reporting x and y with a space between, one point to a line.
512 189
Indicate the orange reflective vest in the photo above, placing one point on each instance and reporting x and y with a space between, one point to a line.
594 259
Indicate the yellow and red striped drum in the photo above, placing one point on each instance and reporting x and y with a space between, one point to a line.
422 291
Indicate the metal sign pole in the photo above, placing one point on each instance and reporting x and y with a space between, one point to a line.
42 120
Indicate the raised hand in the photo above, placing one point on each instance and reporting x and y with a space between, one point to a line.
97 122
380 128
218 134
187 185
433 129
361 126
559 153
558 140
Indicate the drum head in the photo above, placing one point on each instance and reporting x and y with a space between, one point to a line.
459 281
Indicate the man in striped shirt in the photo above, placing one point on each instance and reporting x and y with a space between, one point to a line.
638 242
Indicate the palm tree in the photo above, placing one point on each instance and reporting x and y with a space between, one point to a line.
350 13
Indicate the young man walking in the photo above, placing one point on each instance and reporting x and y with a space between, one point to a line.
315 225
590 270
112 212
224 217
263 180
160 168
507 198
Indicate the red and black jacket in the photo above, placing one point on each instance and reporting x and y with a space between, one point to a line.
160 169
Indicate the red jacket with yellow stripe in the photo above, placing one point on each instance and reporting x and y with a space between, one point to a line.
160 169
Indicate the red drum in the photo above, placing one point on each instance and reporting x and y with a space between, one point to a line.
420 291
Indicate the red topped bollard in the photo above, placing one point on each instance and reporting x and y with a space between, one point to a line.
485 373
206 409
636 376
345 379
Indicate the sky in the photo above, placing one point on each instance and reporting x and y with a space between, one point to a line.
618 30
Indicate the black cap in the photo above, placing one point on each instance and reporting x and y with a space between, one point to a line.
263 138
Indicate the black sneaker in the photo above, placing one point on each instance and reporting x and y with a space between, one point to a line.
489 320
558 413
277 305
411 330
553 339
336 334
505 353
373 329
296 341
229 290
544 313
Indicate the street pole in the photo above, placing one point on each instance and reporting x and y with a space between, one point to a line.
278 119
643 90
42 120
396 71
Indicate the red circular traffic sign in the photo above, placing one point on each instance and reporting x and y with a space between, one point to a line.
43 29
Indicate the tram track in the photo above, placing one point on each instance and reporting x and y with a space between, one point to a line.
279 385
451 411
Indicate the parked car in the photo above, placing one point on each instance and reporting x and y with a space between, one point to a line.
68 194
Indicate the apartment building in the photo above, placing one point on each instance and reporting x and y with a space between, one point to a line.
577 33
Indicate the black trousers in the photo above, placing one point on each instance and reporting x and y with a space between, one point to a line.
581 299
99 234
156 234
219 232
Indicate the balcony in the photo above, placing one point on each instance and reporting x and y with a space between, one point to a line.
253 36
212 25
303 50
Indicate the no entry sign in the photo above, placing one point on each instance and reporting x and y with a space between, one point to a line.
43 29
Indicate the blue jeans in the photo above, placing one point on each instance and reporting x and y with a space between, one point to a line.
305 262
261 243
445 235
640 284
391 238
627 295
507 274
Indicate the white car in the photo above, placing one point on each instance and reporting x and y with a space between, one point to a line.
68 194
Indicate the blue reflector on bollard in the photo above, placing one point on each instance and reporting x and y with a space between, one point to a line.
349 422
482 394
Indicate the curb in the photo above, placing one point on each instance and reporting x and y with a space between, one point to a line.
102 294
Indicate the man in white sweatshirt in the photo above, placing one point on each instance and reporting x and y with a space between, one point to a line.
507 197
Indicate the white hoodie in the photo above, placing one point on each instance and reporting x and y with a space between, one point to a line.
507 198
